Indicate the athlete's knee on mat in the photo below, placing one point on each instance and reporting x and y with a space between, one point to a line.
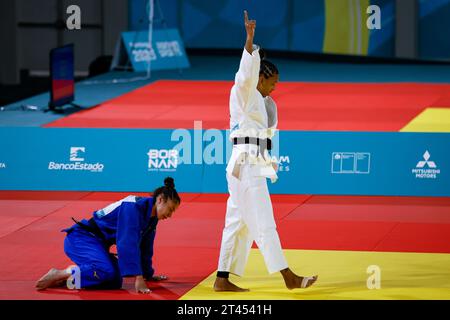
103 273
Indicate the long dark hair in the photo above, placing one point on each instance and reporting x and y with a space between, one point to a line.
167 191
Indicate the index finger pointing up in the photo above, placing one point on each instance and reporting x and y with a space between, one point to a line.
245 16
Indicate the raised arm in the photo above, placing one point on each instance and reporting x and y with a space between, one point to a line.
246 78
250 26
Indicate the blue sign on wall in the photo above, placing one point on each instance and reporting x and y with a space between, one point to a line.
335 163
167 50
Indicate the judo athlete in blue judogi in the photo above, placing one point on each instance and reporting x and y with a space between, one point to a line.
130 224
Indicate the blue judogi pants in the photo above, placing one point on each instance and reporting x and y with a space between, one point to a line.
99 269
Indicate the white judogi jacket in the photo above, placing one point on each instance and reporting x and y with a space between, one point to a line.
251 115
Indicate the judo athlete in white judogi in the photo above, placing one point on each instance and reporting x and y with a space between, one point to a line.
249 216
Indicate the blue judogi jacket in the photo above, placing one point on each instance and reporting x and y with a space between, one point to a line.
128 224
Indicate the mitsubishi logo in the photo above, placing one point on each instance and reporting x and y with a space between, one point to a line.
426 157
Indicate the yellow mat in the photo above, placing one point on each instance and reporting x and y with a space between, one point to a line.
342 275
430 120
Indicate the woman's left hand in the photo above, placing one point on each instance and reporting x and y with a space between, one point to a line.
159 278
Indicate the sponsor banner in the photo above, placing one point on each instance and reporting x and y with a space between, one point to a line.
354 163
365 163
92 159
342 163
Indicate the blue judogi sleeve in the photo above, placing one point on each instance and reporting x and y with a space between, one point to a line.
128 239
147 254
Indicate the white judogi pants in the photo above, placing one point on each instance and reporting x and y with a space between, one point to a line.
249 218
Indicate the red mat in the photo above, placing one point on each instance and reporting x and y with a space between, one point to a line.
187 246
333 235
356 208
42 195
302 106
417 237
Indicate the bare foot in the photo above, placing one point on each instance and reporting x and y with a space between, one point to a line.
294 281
60 284
53 278
223 284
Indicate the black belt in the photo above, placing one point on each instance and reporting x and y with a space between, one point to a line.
92 227
262 143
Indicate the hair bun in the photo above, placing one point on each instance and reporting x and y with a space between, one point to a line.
169 182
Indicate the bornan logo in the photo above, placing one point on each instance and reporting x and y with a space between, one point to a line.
162 160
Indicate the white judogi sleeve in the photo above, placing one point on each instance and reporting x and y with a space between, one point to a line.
247 77
249 117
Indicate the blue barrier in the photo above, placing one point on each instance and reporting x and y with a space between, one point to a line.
341 163
90 159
